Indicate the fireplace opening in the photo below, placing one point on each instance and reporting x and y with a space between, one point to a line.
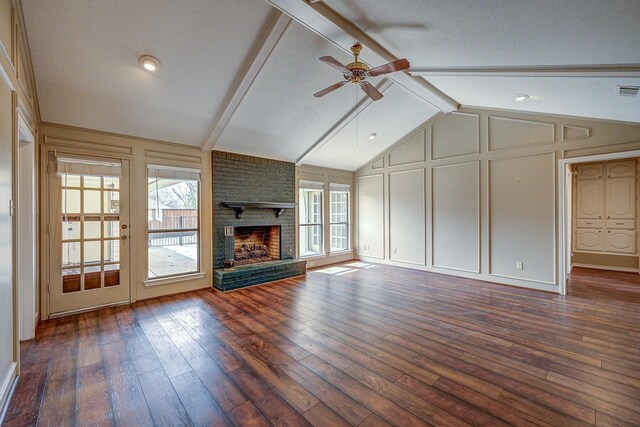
256 244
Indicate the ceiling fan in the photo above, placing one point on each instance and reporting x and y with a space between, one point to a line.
357 72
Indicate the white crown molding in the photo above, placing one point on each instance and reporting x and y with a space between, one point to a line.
344 121
324 21
591 70
260 56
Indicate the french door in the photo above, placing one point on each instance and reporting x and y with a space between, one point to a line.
89 233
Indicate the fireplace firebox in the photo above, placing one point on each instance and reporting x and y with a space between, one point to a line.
255 244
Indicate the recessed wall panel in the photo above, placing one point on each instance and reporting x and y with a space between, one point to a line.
456 216
407 216
513 133
6 29
411 151
371 216
456 134
522 224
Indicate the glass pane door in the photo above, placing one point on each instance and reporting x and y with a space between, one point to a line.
89 237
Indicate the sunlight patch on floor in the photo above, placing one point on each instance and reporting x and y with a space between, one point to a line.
345 268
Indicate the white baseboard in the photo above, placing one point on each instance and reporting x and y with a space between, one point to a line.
5 389
605 267
501 280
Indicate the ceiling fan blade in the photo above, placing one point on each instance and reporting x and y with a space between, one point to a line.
399 65
330 60
371 91
331 88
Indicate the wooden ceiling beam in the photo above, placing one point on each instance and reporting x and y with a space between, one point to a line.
590 70
260 55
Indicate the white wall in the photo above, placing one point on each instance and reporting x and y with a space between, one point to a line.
490 190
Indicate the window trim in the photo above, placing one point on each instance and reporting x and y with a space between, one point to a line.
184 276
313 186
347 215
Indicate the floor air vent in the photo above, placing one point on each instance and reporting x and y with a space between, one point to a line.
627 90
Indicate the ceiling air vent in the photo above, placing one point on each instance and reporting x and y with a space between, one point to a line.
627 90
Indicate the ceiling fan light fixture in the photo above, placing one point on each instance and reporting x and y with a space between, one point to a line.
149 63
520 96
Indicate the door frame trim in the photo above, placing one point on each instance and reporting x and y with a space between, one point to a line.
564 208
46 170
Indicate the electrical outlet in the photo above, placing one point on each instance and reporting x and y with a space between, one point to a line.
519 265
311 263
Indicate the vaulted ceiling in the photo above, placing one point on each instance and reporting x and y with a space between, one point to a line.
238 75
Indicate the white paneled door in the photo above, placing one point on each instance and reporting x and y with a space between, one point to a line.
89 234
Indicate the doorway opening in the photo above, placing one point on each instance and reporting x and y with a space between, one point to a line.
26 226
598 212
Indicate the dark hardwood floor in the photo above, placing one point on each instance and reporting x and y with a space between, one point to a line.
366 345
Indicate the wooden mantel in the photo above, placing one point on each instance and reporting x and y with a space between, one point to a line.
240 207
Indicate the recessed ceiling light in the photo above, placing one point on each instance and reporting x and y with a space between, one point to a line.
149 63
520 96
373 136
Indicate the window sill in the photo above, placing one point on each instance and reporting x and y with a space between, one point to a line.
173 279
342 252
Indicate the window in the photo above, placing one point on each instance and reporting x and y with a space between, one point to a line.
173 221
311 199
90 224
339 216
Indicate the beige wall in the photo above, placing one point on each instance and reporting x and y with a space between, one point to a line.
16 98
74 141
490 187
326 176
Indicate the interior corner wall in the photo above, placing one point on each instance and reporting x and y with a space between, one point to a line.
327 176
490 205
17 98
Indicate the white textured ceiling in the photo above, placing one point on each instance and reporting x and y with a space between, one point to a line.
85 60
501 32
445 33
279 117
85 56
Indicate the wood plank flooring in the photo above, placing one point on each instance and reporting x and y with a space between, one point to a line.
357 344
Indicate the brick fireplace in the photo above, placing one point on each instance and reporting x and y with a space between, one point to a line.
254 220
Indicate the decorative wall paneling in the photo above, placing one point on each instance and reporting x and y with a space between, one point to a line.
507 204
455 135
519 190
378 164
455 195
407 216
573 132
501 132
412 151
371 216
